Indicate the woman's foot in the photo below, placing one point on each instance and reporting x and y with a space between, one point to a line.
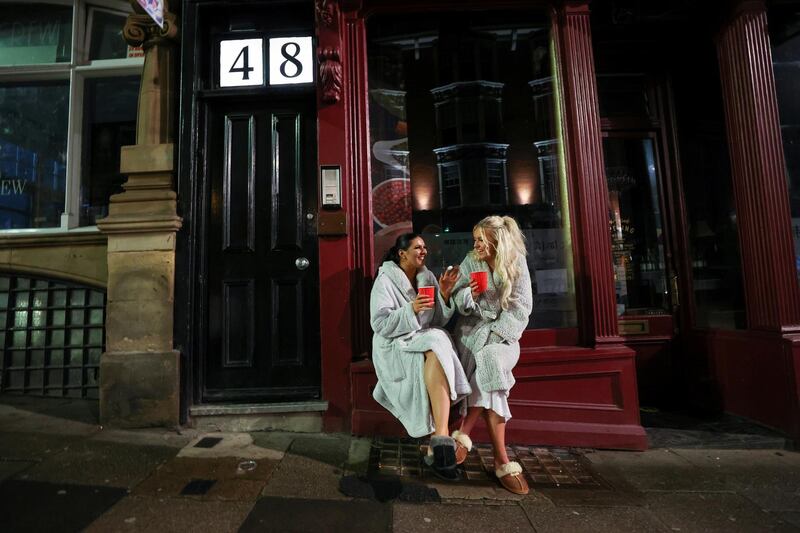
442 457
463 446
511 478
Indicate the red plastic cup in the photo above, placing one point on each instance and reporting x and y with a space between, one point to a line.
430 292
482 278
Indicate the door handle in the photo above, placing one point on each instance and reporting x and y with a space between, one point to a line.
676 299
301 263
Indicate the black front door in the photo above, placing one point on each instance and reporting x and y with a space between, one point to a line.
261 319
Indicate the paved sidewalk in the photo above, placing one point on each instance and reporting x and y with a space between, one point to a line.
60 471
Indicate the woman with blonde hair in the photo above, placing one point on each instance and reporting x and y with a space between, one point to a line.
493 314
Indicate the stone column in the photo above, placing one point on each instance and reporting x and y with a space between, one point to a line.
140 371
758 170
593 267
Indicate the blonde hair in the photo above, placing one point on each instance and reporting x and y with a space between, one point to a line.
509 245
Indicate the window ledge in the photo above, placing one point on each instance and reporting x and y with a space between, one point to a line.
35 238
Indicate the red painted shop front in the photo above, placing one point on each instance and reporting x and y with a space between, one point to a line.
646 171
617 164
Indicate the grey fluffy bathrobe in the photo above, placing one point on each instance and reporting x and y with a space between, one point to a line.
486 335
398 346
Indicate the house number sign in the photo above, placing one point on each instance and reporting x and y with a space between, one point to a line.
290 61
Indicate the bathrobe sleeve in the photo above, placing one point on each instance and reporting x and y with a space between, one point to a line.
511 322
462 294
385 316
444 312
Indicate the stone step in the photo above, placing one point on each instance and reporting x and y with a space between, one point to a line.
302 417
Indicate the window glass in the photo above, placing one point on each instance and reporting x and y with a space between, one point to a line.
785 34
33 148
33 33
708 190
637 238
110 123
105 35
463 124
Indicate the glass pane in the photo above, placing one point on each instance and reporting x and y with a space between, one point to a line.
96 317
40 299
21 319
76 317
33 33
105 34
20 338
96 298
637 241
59 317
35 378
16 380
57 337
95 337
37 358
94 356
33 153
54 377
3 300
21 299
38 337
5 283
76 337
110 123
39 319
708 192
784 25
464 124
59 298
78 297
18 358
56 357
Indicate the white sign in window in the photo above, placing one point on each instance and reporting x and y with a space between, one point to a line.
241 62
291 60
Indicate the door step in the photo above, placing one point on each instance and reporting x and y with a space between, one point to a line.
303 417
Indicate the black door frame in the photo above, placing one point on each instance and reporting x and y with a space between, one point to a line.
195 69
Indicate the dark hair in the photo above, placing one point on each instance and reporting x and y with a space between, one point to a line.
403 242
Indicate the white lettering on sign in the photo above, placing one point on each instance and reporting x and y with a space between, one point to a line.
11 187
291 60
241 62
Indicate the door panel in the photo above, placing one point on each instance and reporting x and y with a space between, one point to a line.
262 325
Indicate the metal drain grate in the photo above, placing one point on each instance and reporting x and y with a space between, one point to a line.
543 467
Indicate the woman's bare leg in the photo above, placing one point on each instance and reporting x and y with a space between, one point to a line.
468 422
438 392
496 425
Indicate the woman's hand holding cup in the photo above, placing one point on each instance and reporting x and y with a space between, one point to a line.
478 282
424 299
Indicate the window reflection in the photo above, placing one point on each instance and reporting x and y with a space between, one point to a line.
31 35
637 239
462 125
784 27
33 154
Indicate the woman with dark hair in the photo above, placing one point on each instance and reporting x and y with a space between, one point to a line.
419 373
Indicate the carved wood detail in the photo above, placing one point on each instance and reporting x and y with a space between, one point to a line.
330 75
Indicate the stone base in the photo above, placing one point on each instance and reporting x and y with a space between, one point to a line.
140 389
308 422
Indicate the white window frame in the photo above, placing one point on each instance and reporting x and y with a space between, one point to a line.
77 71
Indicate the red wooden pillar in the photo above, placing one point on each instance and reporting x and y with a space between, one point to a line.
593 265
758 170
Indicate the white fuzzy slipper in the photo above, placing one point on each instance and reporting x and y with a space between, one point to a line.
463 446
511 477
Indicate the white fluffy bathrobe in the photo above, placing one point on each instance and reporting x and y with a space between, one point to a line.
486 335
398 346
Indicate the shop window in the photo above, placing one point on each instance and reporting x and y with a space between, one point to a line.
784 24
51 337
712 228
474 99
62 126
